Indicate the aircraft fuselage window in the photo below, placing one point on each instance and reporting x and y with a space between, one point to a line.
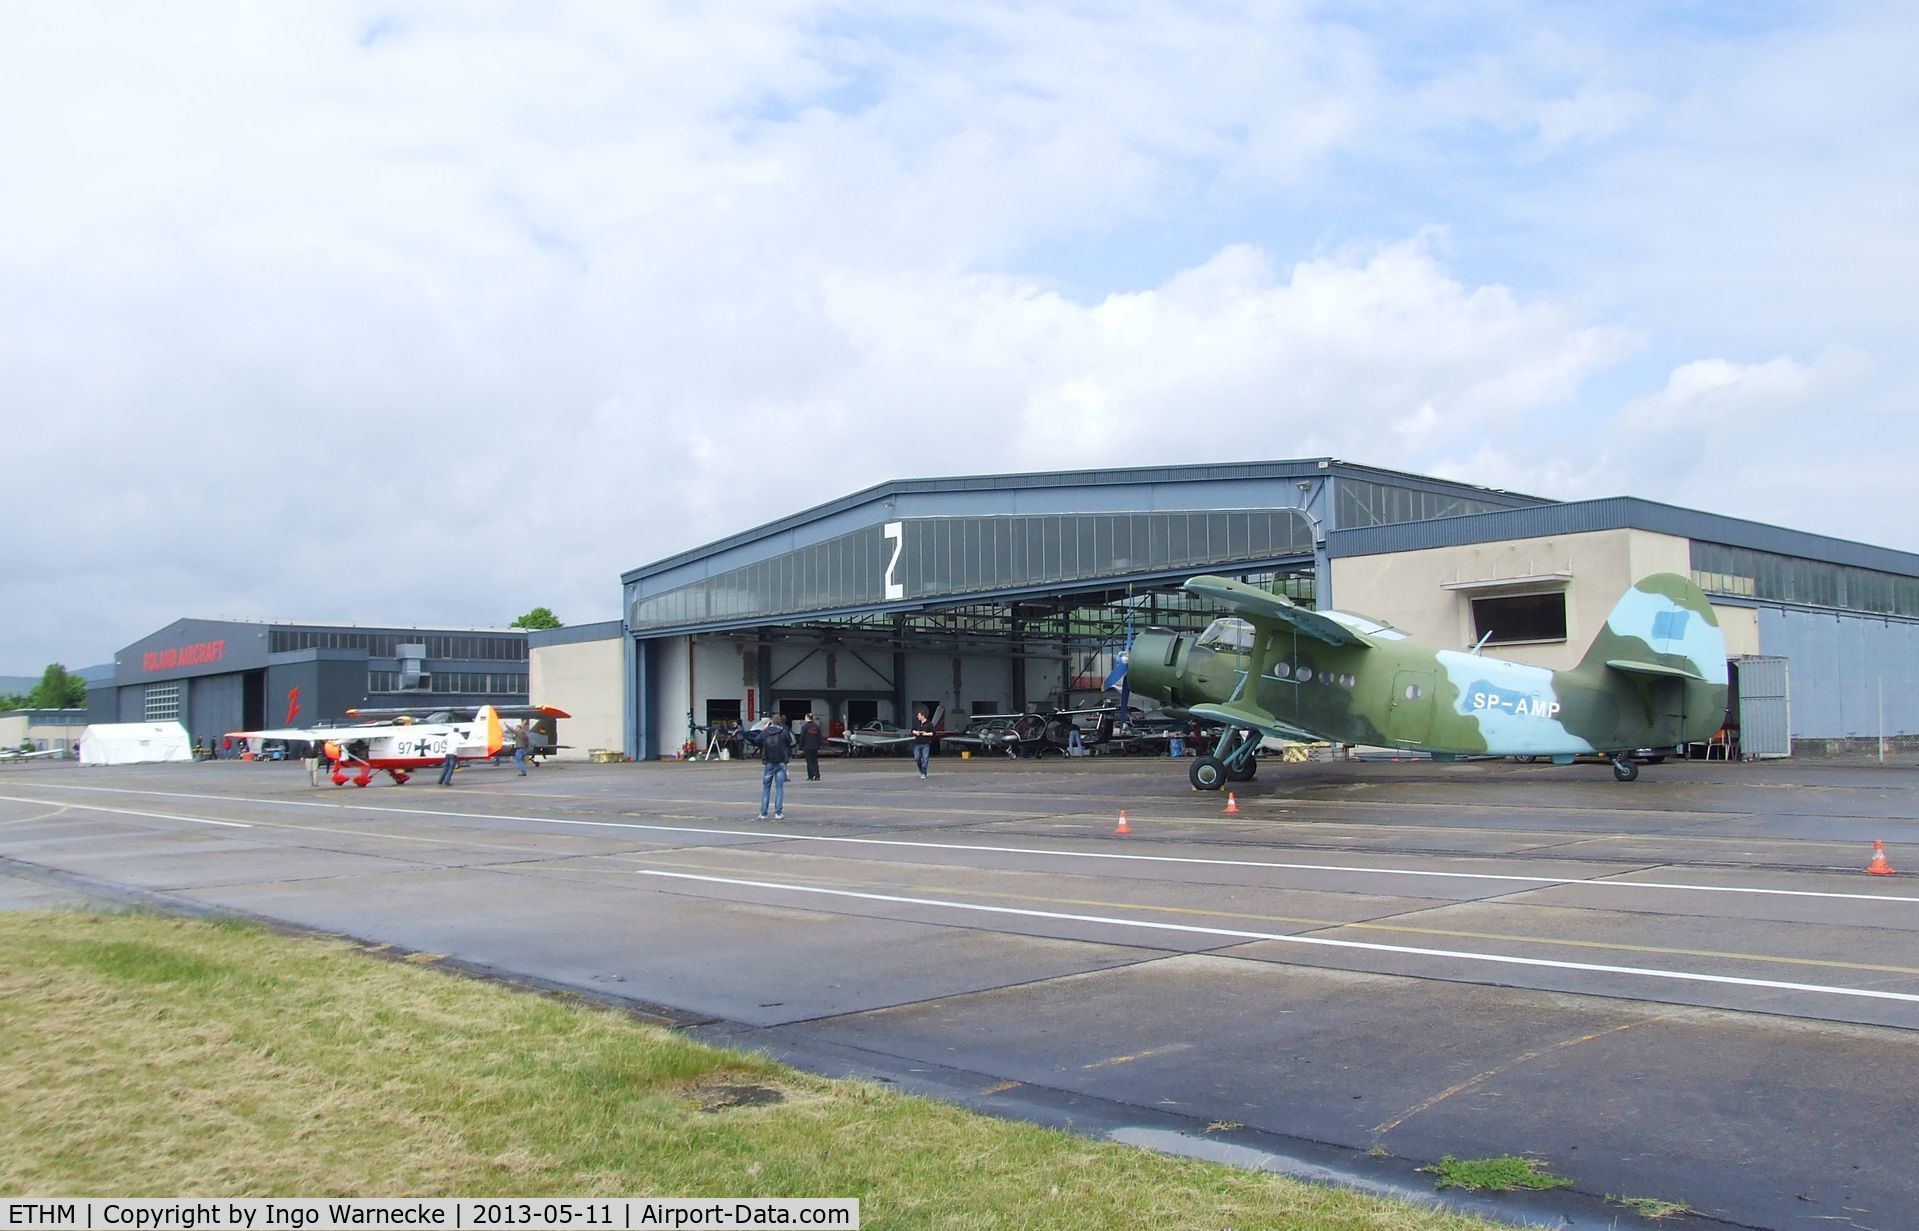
1412 692
1229 635
1305 675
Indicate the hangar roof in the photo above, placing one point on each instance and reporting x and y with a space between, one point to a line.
1615 513
923 544
943 496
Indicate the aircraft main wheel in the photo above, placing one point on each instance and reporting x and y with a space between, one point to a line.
1624 770
1244 771
1207 774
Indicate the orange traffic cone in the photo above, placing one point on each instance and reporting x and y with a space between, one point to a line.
1232 805
1879 866
1122 829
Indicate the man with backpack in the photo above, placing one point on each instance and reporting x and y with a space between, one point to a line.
776 749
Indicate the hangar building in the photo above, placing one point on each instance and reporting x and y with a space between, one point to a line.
992 594
42 730
215 676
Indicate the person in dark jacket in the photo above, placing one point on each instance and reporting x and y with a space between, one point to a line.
776 749
922 740
810 739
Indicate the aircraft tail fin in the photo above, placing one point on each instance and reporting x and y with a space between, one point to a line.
1662 627
495 737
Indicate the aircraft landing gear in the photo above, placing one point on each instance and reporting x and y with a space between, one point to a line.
1624 768
1232 760
399 776
1207 774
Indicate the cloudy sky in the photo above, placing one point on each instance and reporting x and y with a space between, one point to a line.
432 313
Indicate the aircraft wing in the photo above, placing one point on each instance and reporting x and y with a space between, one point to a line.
470 711
1231 715
1257 604
344 735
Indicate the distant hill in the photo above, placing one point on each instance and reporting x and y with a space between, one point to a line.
21 685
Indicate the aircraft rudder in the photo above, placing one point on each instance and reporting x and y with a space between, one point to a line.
1663 618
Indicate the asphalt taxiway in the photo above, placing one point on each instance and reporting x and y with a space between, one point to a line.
1683 988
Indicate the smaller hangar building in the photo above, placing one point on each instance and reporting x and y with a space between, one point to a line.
215 676
996 593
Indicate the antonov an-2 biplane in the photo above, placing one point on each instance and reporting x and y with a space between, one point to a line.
356 753
1654 677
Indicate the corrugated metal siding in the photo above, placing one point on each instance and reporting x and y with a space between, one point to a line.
949 496
216 705
1615 513
1844 668
1765 707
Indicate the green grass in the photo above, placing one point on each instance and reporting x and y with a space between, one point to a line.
152 1055
1502 1174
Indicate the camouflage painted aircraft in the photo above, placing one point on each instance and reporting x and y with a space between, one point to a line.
1654 677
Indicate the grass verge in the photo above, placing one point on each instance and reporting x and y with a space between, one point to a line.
1502 1174
158 1056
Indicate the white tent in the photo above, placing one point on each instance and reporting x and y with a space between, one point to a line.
132 743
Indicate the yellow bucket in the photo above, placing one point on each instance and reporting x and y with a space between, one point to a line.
966 754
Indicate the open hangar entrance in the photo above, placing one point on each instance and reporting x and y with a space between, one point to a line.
1013 656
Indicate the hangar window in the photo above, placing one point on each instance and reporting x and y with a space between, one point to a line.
1513 618
162 702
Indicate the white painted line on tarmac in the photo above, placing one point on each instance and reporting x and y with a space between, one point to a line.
163 816
1193 860
1682 976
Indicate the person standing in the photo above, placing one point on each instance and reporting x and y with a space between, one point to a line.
922 740
776 749
519 748
810 747
311 755
452 757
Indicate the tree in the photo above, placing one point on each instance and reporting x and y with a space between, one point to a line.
13 701
58 690
538 618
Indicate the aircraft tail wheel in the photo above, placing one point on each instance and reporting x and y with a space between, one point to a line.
1244 771
1624 770
1207 774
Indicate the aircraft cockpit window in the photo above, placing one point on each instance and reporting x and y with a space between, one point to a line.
1229 635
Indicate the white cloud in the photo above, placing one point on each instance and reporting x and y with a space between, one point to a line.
286 294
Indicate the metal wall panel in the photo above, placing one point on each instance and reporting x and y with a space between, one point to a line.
1852 675
1615 513
215 704
1765 707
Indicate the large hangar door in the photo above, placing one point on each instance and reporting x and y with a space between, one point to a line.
1763 710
